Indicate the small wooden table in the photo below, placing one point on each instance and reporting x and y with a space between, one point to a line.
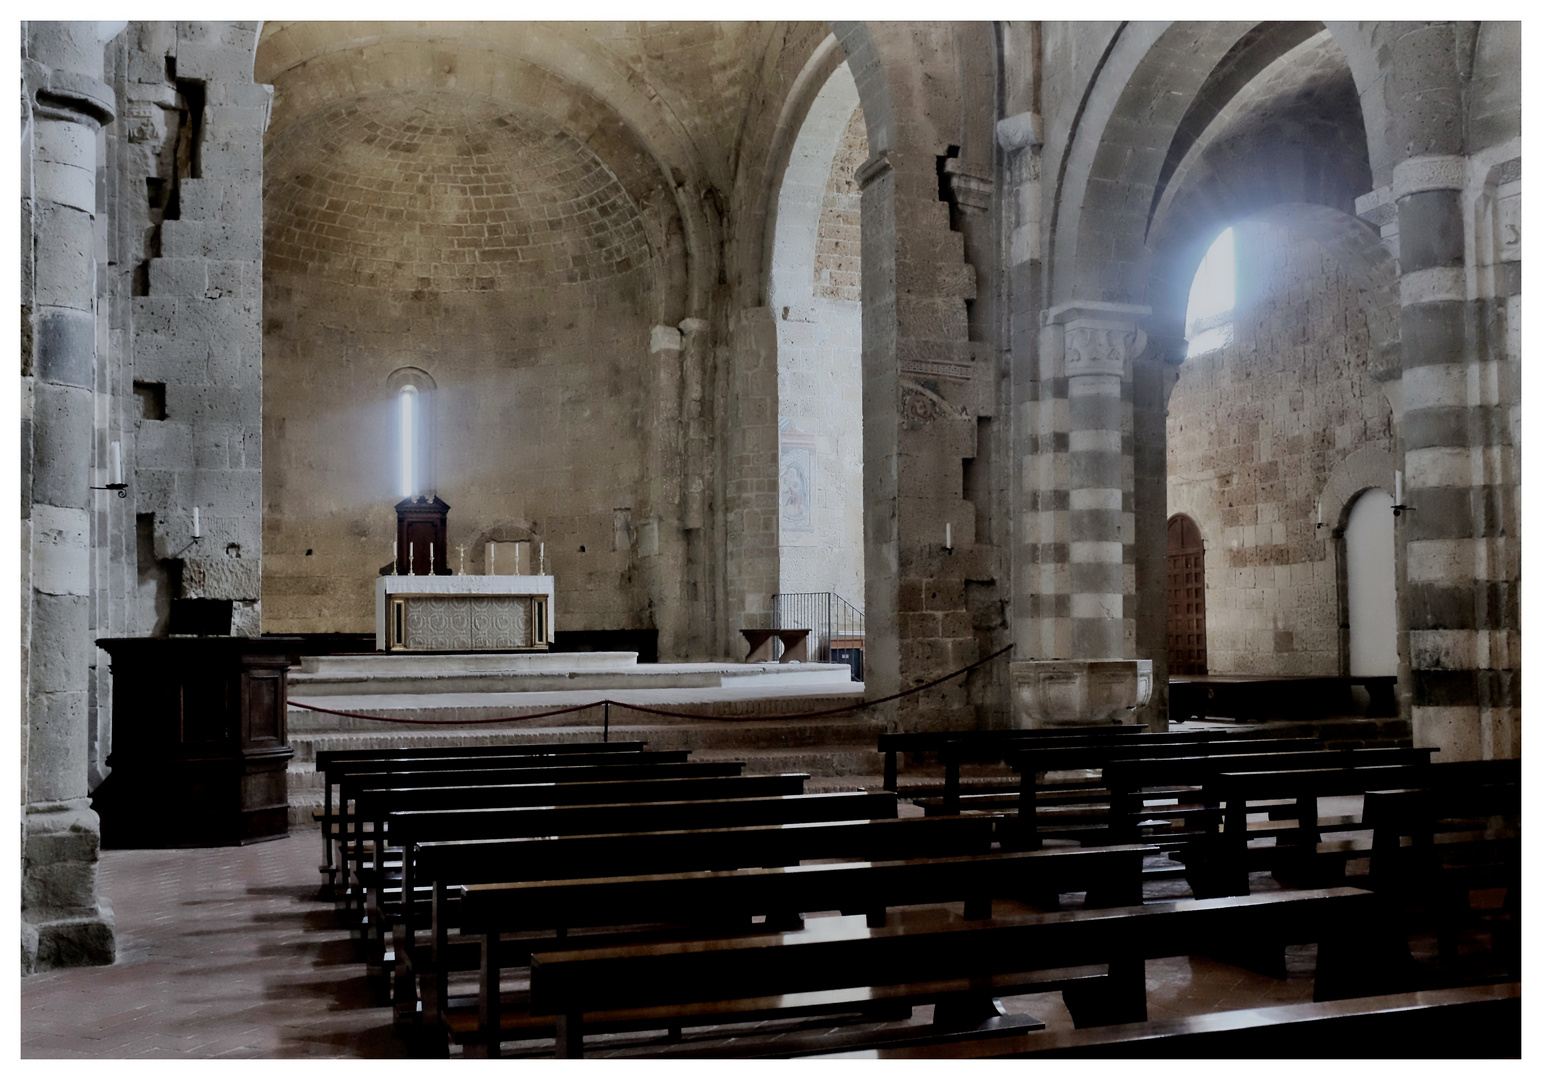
794 645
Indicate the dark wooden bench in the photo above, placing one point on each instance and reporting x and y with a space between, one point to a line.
374 804
452 772
725 901
1086 813
1218 865
328 761
433 871
1289 697
1433 845
956 746
1464 1022
926 956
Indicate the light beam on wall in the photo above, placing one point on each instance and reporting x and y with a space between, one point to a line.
1213 296
408 402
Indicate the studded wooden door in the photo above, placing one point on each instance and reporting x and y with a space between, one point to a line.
1185 598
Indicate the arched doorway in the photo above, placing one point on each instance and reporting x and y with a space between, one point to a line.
1185 598
1371 587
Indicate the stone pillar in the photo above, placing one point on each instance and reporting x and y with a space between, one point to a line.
1463 608
64 922
750 495
1095 344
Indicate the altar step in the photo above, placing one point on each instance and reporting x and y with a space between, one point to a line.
726 722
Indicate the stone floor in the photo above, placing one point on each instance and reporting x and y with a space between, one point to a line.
227 952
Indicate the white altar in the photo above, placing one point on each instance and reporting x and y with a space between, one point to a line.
463 612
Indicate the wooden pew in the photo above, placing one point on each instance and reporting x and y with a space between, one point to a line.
1218 865
925 957
1030 829
439 868
452 772
1433 845
956 746
329 760
373 804
1463 1022
724 902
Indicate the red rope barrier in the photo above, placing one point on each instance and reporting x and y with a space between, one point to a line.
665 712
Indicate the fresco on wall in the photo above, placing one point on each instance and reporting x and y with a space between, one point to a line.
796 487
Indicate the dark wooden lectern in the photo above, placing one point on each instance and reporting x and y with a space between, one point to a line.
422 522
199 741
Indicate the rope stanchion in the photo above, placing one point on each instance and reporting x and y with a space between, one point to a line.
608 702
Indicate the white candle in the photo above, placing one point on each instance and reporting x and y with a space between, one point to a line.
516 559
117 463
197 529
430 556
1319 512
1397 483
492 555
411 554
543 556
948 536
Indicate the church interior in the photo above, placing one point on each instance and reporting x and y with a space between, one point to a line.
769 539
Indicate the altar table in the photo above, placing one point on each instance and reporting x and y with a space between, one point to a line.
463 612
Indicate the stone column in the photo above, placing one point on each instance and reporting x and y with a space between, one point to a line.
750 493
64 922
1098 342
1462 606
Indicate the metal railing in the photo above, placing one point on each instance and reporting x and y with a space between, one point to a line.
836 626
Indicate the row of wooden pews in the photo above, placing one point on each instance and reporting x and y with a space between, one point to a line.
524 893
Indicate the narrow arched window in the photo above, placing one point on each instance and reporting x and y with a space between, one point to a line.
1213 296
410 426
410 470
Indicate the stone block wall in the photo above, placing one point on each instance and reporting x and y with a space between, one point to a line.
498 255
1255 429
188 300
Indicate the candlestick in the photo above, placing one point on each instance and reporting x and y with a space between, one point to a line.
431 557
117 463
948 536
492 555
543 557
516 558
394 558
197 529
463 560
411 554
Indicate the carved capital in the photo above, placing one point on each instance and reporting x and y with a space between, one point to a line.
1100 338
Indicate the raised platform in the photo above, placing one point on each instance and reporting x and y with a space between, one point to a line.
520 673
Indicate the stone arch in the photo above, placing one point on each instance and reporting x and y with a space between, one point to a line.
1494 92
815 303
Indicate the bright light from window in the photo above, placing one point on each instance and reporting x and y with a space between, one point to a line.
408 401
1213 294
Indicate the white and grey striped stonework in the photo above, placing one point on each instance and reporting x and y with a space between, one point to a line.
1099 343
1463 599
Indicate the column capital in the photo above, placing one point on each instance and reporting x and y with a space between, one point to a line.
970 186
1101 338
1020 132
1434 172
71 96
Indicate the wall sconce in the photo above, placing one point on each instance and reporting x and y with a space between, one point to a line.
1398 505
115 470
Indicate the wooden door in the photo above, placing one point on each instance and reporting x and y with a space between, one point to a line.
1185 598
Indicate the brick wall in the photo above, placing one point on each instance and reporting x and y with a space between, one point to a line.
1254 430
